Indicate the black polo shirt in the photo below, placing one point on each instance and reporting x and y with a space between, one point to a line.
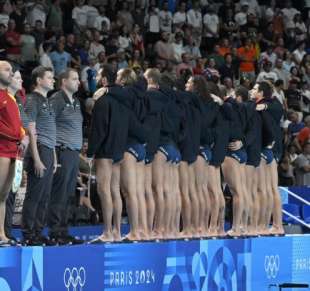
39 110
69 121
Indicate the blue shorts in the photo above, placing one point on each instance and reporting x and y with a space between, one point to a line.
172 154
239 155
206 153
138 151
267 155
148 158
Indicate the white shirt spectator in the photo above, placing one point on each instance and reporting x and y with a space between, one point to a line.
98 22
178 50
37 12
153 23
211 22
288 14
298 55
95 49
283 75
4 19
279 95
263 76
45 61
79 14
179 17
165 20
92 13
194 18
241 18
124 42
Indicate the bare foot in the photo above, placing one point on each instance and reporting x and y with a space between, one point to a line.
276 230
117 236
131 237
233 233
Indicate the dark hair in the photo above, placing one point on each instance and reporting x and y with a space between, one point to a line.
39 72
243 93
279 82
107 72
266 88
46 45
201 87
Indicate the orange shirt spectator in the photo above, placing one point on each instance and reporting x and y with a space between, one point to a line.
303 135
223 50
247 55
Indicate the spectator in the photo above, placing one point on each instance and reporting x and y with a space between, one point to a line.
289 12
299 52
163 48
13 39
165 18
211 29
136 40
60 58
178 47
194 21
279 93
101 19
300 28
3 44
83 52
179 18
302 165
281 72
19 15
124 39
4 15
54 19
28 45
280 50
268 55
88 76
200 66
79 16
45 60
288 62
92 14
286 172
38 34
295 74
37 10
241 17
303 135
227 70
295 126
193 50
153 25
185 65
136 60
230 26
72 49
247 57
95 46
124 17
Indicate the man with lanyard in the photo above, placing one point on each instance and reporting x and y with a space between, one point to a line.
41 163
69 139
11 135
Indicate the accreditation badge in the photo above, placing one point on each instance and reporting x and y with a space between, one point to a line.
18 175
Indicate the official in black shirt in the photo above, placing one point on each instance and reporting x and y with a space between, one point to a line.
69 138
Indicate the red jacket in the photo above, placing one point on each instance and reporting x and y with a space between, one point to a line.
11 129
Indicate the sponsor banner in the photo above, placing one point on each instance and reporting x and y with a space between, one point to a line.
74 268
231 264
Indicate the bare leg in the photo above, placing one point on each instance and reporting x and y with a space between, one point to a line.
220 194
158 190
251 182
129 189
247 200
263 199
201 186
194 200
178 201
169 201
117 201
142 220
231 171
6 179
186 203
150 203
277 227
103 177
269 209
214 201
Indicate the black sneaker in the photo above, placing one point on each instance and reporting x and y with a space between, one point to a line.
72 240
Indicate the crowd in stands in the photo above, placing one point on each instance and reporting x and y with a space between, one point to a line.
229 42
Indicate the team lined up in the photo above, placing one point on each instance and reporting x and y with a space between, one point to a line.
164 151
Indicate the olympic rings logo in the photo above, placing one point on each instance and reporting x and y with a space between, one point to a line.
272 266
75 277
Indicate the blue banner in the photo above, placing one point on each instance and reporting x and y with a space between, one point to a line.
228 264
